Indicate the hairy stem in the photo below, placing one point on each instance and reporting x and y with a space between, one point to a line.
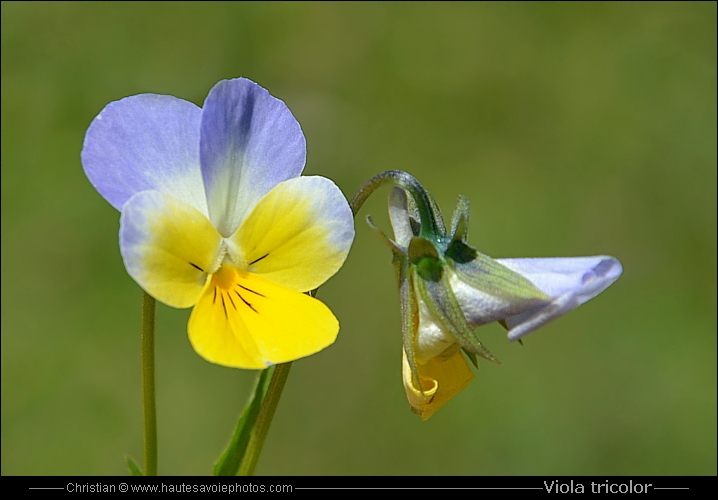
149 409
410 184
264 419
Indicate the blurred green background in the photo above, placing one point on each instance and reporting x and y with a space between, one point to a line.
574 129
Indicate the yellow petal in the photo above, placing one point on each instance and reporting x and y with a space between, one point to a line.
246 321
298 235
440 379
168 247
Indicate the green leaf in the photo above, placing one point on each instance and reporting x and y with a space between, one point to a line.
228 464
133 467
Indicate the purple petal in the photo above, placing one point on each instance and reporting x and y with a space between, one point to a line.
583 276
249 143
145 142
569 281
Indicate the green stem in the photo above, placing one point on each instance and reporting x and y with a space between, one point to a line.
411 185
148 385
264 419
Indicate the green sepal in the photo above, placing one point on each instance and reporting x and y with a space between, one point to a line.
459 252
457 249
438 216
228 464
489 276
387 241
445 310
399 256
409 317
472 357
423 254
420 248
460 220
133 467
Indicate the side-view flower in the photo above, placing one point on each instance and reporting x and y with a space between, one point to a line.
448 288
215 215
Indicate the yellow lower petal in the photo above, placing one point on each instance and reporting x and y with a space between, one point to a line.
440 379
246 321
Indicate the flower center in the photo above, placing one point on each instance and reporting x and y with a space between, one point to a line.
229 292
229 254
224 278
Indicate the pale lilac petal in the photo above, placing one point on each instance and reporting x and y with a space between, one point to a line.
145 142
569 281
249 143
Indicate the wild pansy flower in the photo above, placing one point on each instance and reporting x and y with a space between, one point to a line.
215 215
448 288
